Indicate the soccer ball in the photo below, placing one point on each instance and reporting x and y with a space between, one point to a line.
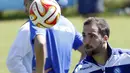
44 13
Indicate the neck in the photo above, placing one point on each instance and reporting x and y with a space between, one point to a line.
101 57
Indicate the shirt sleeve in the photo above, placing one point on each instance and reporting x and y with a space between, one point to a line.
17 52
77 41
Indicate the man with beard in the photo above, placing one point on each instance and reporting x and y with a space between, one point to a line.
101 58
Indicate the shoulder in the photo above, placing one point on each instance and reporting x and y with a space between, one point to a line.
25 27
121 51
64 18
120 56
65 24
22 38
64 21
24 31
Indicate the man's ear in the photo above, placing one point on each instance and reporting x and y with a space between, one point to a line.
105 38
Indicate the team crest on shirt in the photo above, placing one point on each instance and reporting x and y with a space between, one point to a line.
117 70
82 67
86 66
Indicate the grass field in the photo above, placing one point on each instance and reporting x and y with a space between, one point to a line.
119 37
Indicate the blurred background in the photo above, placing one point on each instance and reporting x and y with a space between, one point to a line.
116 13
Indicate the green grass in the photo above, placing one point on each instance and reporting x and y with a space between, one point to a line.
119 37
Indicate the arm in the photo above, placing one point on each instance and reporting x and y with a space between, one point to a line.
17 52
40 53
78 45
82 51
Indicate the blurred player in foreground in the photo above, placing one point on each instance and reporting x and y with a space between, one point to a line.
21 54
53 46
101 57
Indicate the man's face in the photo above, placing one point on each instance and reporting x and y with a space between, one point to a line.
92 39
27 4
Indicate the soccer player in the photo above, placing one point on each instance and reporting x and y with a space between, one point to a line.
101 57
53 46
21 54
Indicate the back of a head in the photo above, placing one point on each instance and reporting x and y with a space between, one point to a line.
27 4
44 13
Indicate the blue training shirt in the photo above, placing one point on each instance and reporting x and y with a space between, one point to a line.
60 39
118 62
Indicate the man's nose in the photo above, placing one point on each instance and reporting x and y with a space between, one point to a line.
86 40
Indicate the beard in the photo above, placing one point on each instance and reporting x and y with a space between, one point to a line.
90 50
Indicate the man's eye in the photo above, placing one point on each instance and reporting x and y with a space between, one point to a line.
92 36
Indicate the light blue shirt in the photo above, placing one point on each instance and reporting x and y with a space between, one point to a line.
60 39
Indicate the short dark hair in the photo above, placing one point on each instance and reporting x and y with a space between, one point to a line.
102 25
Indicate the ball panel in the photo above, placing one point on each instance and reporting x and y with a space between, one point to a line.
33 17
41 8
40 25
50 13
52 21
